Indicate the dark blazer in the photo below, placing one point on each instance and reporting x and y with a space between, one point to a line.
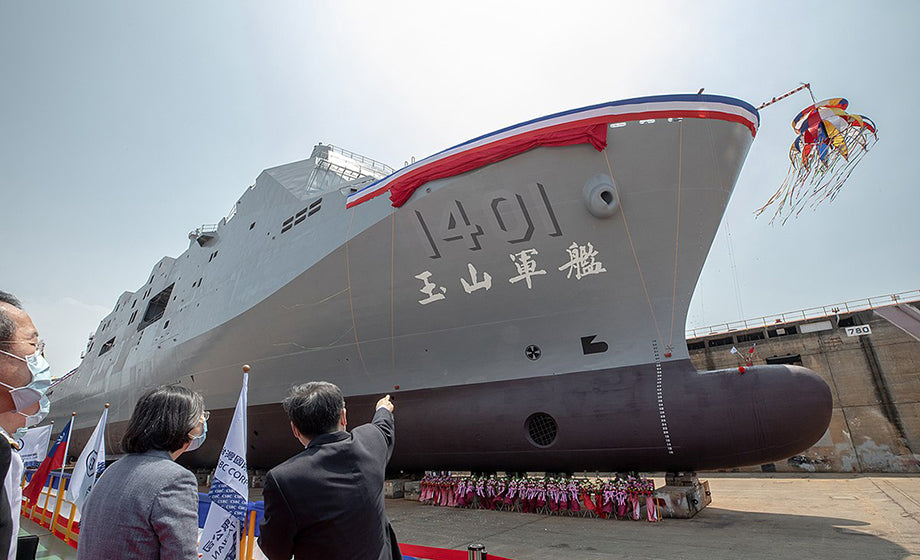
327 501
144 506
6 520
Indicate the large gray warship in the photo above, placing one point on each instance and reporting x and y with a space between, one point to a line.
522 296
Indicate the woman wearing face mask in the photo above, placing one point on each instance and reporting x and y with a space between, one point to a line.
145 505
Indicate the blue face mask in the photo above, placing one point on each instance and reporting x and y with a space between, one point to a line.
26 397
198 441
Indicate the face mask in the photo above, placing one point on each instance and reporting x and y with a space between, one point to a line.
26 397
34 419
43 409
197 441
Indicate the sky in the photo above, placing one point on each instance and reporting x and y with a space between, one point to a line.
125 125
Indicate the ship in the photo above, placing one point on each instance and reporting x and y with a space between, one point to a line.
521 295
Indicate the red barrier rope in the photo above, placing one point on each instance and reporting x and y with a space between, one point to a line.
430 553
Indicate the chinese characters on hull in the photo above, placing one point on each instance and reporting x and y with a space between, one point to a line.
526 267
582 262
429 289
474 284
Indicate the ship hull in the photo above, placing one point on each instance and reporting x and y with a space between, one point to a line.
552 283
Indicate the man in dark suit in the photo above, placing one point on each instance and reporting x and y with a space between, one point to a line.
327 501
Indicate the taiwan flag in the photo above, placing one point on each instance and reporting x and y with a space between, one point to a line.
54 460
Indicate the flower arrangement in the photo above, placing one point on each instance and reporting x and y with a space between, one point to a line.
618 497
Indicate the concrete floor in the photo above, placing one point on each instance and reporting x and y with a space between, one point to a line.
49 547
752 516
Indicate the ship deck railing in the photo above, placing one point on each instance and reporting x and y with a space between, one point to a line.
372 163
823 311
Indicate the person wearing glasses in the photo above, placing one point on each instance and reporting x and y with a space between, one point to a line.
145 505
25 376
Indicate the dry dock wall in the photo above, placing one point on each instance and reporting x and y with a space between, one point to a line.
874 379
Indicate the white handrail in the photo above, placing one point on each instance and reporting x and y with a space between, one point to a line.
808 313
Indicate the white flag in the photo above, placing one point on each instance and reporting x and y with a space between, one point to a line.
229 491
90 464
33 446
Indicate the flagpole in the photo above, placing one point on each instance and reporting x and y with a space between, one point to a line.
241 551
223 535
60 493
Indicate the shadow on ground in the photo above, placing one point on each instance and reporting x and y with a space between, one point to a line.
714 534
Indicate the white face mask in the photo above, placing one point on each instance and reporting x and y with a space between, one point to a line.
26 397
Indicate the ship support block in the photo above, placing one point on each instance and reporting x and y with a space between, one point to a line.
683 495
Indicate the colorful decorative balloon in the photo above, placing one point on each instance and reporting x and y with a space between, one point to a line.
829 144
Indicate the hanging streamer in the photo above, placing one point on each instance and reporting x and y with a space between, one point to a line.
829 144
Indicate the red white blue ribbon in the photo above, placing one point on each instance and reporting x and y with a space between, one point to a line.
585 125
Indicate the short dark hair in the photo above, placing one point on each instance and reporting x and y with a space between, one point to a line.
7 326
314 407
162 419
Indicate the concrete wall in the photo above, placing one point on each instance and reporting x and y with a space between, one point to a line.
875 381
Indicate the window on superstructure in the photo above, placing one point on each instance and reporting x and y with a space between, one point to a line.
133 316
300 216
109 344
156 307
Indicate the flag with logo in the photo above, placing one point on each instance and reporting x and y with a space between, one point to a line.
53 461
90 464
33 445
229 491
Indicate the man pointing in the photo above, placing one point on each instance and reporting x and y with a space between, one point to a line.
327 501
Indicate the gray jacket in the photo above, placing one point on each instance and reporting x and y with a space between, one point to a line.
145 506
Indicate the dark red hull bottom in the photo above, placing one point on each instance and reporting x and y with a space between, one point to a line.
608 420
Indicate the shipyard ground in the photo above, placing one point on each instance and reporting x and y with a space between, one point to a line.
752 516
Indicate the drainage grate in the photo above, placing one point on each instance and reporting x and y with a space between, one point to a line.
541 429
